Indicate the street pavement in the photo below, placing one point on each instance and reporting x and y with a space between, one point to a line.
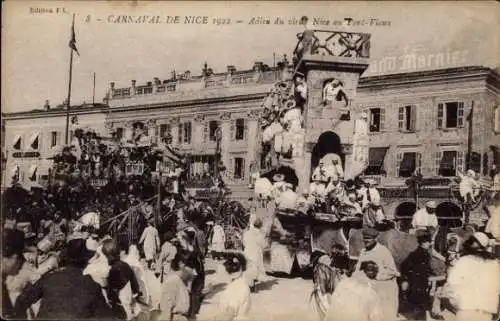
276 299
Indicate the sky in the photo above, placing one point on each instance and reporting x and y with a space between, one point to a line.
35 57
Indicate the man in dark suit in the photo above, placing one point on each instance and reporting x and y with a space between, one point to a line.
12 261
66 293
119 275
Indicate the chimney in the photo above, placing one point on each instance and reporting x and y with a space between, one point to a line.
112 85
133 83
231 69
46 106
187 75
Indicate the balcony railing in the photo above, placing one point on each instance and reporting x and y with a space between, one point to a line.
217 81
333 43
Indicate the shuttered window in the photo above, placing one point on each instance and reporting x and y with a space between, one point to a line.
440 116
180 131
212 130
231 130
407 118
54 139
408 163
187 132
165 130
377 119
239 168
460 114
240 129
451 115
448 162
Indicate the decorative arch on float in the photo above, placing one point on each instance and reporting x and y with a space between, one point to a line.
328 142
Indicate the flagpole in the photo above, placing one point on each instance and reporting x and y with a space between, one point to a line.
93 92
66 140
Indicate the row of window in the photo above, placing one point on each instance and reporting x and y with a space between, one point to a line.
238 132
447 163
185 131
203 166
35 140
449 115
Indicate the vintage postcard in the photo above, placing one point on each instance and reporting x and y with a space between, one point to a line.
261 160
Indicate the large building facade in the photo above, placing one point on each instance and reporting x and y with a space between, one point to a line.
418 121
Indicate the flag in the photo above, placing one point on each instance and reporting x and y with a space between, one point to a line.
72 40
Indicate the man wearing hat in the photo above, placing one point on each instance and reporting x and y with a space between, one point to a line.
386 285
370 193
12 261
425 217
416 270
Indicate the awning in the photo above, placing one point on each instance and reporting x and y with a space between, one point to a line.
34 140
409 162
16 142
376 156
32 172
448 161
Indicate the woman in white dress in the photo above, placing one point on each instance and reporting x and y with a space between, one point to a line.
234 302
254 242
151 241
218 241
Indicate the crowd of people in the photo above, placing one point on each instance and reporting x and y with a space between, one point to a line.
158 277
375 288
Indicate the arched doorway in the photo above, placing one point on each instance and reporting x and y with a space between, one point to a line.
404 214
328 142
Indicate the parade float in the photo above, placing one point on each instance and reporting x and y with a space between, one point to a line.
315 150
313 140
133 178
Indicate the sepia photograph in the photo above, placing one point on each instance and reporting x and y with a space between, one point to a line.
250 161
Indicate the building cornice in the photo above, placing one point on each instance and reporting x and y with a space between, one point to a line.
490 76
54 113
438 76
192 102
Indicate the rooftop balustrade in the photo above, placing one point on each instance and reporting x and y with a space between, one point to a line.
198 83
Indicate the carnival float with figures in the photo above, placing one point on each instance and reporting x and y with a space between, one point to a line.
311 192
118 183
